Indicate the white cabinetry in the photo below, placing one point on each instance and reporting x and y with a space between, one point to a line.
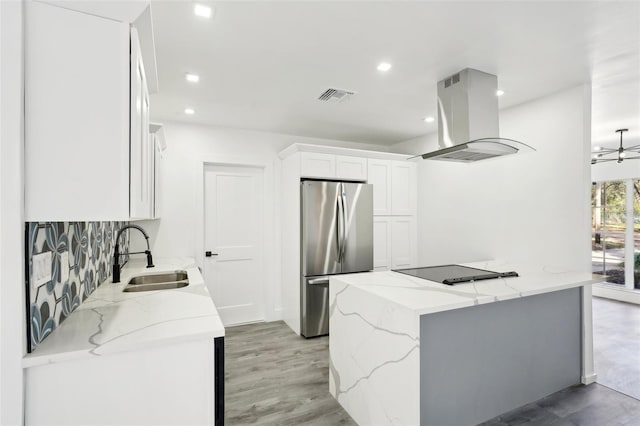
394 187
403 242
315 165
158 145
142 152
403 188
394 208
167 384
85 159
381 243
351 168
380 178
330 166
394 242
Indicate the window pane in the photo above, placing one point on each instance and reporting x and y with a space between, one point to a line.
608 230
636 233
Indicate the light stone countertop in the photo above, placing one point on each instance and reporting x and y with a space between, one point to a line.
427 297
112 321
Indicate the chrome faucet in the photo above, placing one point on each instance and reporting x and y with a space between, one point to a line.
116 253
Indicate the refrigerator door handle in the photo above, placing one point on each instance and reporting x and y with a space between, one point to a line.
340 224
345 223
318 281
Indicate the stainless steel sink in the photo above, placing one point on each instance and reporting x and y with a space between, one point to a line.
161 281
163 277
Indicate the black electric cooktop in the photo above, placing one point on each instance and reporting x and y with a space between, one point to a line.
454 274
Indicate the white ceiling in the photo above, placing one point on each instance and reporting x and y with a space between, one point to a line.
263 64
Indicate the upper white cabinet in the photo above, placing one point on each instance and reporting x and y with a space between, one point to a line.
85 157
403 188
351 168
158 145
329 166
315 165
380 178
142 153
394 187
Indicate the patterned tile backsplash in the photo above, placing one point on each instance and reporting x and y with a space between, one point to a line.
81 255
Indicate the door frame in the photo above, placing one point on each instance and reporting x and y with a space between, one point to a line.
271 301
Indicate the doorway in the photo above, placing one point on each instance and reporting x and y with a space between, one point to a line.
615 249
233 238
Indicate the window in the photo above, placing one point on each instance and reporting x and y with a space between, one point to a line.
610 240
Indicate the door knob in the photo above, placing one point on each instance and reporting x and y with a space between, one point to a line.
209 254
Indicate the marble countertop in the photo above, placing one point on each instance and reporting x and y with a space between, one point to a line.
112 321
427 297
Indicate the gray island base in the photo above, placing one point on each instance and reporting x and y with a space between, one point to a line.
414 352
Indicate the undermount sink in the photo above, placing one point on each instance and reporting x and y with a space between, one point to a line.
161 281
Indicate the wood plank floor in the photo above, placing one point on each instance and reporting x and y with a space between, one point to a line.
274 377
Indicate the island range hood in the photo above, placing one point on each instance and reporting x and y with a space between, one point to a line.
468 120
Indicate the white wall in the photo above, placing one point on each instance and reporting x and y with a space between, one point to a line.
629 169
12 315
530 208
179 231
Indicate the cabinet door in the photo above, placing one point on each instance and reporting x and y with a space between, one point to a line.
140 185
76 155
379 175
351 168
403 242
157 172
403 188
381 243
316 165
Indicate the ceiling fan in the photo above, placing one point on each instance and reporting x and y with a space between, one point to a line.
600 154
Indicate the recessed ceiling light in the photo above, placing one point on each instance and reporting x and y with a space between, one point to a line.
597 148
189 111
499 92
429 119
193 78
384 66
204 11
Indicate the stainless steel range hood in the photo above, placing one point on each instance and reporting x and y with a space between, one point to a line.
468 120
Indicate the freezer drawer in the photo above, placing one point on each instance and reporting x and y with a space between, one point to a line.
314 309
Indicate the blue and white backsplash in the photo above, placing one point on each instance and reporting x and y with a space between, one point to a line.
81 259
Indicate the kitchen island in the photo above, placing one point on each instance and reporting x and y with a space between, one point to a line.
409 351
136 358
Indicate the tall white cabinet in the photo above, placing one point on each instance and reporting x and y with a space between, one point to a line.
394 204
88 154
394 210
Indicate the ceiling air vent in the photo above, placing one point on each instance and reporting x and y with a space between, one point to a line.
335 95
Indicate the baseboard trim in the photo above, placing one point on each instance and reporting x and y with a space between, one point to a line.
591 378
620 294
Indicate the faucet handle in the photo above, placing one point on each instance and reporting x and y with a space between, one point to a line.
149 259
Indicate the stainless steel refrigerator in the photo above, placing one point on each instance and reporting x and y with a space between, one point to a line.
337 238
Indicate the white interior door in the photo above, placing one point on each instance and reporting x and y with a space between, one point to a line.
234 222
